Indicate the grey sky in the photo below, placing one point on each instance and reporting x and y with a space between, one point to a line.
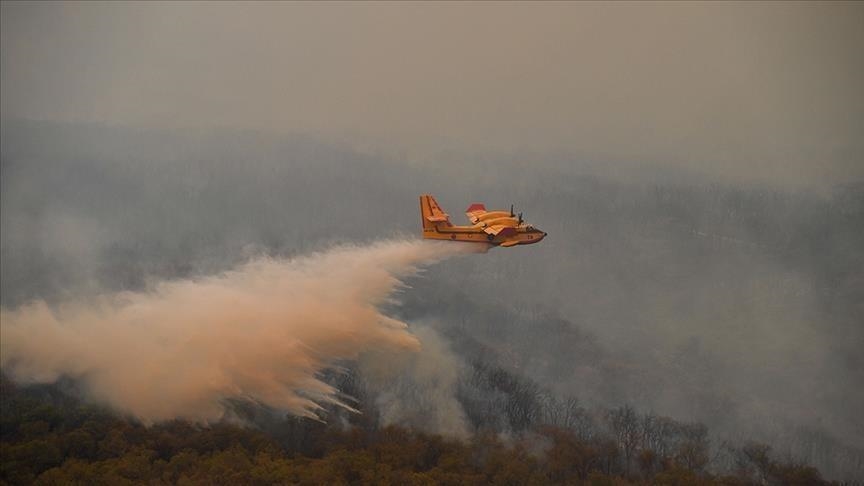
748 91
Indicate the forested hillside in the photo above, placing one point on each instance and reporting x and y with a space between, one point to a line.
670 328
51 439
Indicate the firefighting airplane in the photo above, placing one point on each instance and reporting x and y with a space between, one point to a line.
501 228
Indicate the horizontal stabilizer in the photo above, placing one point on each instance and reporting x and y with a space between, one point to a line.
432 213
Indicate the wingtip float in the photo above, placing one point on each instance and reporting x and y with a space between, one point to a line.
498 228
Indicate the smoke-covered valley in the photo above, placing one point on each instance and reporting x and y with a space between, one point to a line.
737 306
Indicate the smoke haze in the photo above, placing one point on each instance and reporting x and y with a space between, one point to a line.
260 333
699 168
745 91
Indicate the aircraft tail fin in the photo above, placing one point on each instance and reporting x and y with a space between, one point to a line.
432 214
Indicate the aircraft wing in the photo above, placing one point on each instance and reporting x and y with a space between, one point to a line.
474 211
500 230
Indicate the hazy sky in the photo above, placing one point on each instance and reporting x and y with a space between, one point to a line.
762 91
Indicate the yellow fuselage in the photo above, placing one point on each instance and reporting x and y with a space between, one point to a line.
524 235
492 227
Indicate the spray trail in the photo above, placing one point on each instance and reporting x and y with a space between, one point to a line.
261 332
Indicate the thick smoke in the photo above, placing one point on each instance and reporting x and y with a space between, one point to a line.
421 391
261 332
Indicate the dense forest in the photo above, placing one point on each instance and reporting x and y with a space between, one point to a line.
49 438
672 329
